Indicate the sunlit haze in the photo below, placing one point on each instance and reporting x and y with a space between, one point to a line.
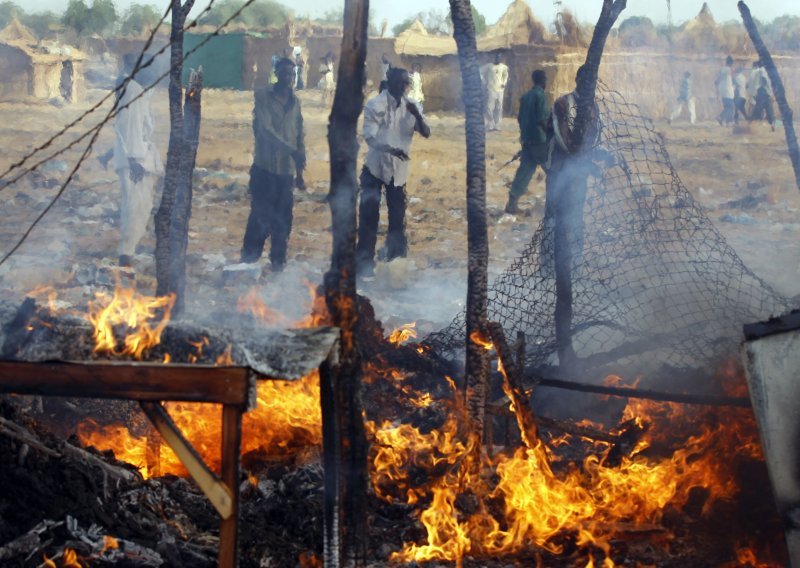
586 10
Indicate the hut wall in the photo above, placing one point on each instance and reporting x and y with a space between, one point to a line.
17 72
47 79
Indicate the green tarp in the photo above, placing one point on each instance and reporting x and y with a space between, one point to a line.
222 58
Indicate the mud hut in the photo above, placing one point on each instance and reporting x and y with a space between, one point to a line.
31 68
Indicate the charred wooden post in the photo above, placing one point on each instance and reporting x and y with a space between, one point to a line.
177 147
569 205
477 358
182 210
777 89
344 436
512 375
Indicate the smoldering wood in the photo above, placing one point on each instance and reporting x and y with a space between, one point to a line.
344 436
286 354
777 88
512 376
477 359
781 324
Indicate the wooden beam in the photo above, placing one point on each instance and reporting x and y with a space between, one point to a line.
130 380
231 469
213 488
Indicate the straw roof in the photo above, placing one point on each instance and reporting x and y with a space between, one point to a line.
517 26
415 40
16 33
704 19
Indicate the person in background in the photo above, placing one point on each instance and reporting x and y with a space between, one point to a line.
753 83
685 98
136 161
327 83
739 95
495 79
724 85
385 66
390 120
532 118
763 106
279 155
415 93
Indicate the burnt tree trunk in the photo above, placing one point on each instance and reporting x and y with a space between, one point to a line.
344 435
182 208
177 148
777 89
563 250
477 358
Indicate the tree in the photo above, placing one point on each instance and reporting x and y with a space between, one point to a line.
637 31
783 33
478 19
99 18
8 11
261 13
41 22
139 19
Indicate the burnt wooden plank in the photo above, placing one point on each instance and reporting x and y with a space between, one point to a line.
231 469
787 322
129 380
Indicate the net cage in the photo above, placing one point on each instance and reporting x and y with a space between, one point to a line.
656 287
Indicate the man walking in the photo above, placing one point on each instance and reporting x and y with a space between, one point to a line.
136 161
279 154
685 97
532 118
724 84
739 95
495 78
390 120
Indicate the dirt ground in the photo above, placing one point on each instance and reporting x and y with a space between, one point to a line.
74 248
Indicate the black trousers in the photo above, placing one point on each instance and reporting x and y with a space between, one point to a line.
740 108
271 203
369 215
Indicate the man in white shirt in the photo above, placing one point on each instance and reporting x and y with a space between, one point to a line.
724 84
136 161
495 78
739 95
390 120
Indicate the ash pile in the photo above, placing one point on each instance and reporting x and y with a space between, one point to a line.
657 292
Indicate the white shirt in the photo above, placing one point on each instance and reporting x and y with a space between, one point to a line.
725 83
495 76
133 127
415 93
386 122
741 84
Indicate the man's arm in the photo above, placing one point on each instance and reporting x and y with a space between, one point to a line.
300 154
420 125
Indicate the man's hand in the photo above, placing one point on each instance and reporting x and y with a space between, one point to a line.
412 108
299 158
299 182
135 170
397 153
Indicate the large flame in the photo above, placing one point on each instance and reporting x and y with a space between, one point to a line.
140 319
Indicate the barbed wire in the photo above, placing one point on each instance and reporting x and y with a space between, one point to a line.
115 110
120 88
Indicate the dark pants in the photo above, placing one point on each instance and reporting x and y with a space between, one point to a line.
369 214
740 103
271 204
763 106
727 111
533 155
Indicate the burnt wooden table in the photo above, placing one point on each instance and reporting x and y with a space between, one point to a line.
293 354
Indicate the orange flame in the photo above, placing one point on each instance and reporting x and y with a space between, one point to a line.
403 333
134 314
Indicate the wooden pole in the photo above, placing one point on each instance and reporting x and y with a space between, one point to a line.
346 436
231 470
477 358
777 89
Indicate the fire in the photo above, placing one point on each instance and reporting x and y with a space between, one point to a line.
141 318
251 302
403 333
287 418
69 559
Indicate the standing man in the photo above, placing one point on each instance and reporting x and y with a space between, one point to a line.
495 78
279 154
685 97
136 161
739 95
532 118
390 120
724 84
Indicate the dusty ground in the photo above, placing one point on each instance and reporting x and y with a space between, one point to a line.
74 248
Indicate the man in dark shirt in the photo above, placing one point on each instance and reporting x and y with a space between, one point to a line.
532 118
278 161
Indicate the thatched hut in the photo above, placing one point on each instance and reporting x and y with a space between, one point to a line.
31 68
517 26
701 33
